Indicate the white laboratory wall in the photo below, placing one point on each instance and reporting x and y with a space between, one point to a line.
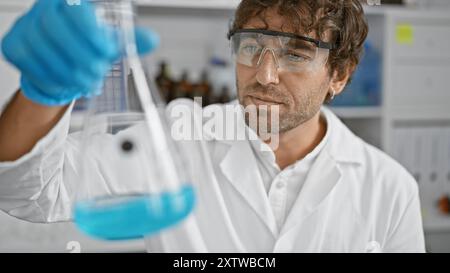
189 37
8 76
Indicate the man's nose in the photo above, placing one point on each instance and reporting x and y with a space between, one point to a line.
267 68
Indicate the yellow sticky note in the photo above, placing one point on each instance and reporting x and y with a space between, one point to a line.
404 34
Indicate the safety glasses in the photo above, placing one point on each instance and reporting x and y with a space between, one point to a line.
291 52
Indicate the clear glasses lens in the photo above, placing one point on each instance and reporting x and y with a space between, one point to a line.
290 54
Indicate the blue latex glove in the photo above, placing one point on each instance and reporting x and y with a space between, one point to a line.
62 52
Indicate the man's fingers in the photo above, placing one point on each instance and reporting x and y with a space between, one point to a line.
146 40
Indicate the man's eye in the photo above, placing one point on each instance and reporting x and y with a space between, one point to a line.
249 49
294 57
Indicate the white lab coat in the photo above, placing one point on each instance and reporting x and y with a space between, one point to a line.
355 198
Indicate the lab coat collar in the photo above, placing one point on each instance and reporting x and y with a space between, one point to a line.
240 168
343 146
321 180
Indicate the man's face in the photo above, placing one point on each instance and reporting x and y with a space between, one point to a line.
298 94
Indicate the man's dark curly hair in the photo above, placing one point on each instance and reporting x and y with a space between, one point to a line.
343 19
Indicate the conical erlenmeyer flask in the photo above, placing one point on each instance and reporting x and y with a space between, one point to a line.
132 180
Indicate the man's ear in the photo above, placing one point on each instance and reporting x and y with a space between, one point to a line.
338 81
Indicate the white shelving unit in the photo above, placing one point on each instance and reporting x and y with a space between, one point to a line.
364 112
417 97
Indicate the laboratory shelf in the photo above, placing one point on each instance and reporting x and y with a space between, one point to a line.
356 112
205 4
232 4
195 4
435 221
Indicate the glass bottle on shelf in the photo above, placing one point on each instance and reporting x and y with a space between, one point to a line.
164 81
184 88
203 89
224 95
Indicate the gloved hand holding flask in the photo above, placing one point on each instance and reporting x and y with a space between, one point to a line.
65 52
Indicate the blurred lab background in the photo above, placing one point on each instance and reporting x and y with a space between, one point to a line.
398 100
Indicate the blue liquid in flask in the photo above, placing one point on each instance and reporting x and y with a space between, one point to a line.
133 216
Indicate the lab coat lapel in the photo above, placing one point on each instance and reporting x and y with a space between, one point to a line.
343 147
240 168
322 178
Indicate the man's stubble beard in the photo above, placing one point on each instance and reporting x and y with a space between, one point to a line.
306 108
